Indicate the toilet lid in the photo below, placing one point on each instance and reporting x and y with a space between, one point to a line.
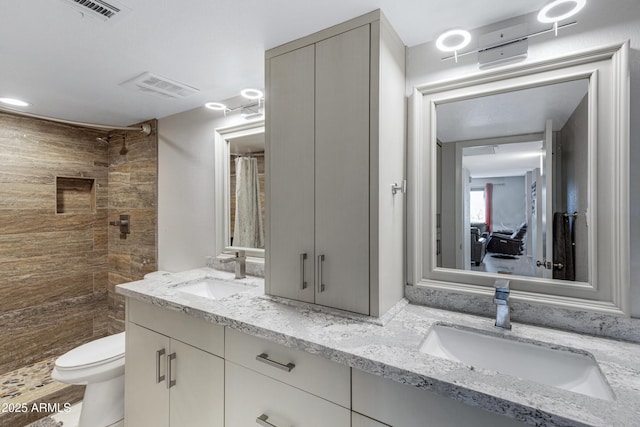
95 352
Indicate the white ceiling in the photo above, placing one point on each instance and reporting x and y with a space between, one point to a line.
511 113
70 66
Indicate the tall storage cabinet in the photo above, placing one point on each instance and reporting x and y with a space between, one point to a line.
335 145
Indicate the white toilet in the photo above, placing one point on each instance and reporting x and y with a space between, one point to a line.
100 365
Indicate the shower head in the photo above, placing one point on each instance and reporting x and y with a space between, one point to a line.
109 138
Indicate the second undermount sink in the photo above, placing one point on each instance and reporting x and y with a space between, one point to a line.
556 366
213 288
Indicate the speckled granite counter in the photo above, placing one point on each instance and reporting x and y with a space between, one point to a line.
392 351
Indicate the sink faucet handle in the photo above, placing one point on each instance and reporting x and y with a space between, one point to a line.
240 254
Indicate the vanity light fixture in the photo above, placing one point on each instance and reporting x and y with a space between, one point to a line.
216 106
511 45
14 102
546 17
463 36
252 93
252 110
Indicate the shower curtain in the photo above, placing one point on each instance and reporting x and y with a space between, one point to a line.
248 229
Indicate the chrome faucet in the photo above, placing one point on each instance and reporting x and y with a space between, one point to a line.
241 264
501 300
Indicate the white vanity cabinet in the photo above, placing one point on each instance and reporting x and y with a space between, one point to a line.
399 405
270 385
335 145
174 371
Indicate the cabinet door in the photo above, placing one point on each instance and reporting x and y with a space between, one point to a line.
290 176
147 399
197 397
342 170
250 395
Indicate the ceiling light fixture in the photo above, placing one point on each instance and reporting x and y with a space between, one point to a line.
252 93
463 38
546 17
216 106
249 111
14 102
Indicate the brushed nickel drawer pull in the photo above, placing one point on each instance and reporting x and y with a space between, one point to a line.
264 358
159 354
320 268
262 420
303 284
170 382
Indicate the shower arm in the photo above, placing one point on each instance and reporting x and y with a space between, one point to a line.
144 128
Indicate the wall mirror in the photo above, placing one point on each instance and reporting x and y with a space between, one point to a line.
522 173
513 177
240 169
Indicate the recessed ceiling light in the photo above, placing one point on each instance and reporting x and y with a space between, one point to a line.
217 106
544 14
14 102
453 35
252 93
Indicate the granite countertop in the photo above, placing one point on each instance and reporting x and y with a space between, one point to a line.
391 349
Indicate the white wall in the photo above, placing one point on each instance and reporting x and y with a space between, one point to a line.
185 187
600 23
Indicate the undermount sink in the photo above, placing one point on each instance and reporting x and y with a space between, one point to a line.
556 366
213 288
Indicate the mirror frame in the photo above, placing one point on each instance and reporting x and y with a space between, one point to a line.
221 185
609 120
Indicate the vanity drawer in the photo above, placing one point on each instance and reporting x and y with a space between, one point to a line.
250 396
401 405
315 374
196 332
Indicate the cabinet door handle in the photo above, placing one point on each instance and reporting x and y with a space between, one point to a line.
262 421
303 284
320 268
159 354
264 358
170 382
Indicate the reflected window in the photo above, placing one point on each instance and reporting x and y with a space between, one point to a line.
477 206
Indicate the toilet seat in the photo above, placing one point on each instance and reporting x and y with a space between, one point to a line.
96 361
94 353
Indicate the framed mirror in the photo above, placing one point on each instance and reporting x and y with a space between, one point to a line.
513 177
522 173
239 189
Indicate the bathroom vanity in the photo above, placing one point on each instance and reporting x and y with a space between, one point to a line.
270 361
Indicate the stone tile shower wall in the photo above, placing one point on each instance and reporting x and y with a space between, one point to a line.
56 270
133 190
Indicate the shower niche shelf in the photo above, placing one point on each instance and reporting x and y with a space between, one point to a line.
75 195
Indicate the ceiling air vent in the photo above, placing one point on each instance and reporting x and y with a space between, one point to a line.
163 87
106 11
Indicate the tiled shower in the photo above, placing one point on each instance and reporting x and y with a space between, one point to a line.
60 260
